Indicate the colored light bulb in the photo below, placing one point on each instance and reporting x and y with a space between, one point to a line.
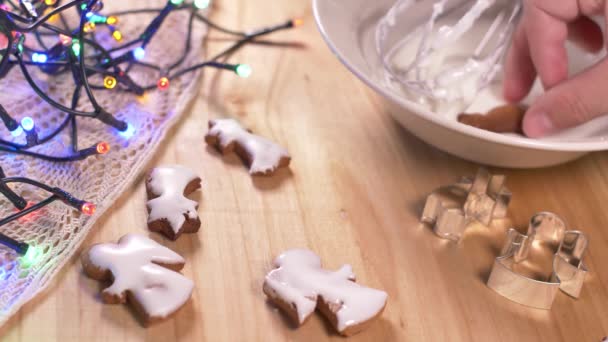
139 53
243 70
109 82
27 123
117 35
39 57
50 2
297 22
112 20
31 257
27 216
202 4
76 47
88 208
65 40
96 18
17 132
163 83
103 147
177 2
89 27
127 133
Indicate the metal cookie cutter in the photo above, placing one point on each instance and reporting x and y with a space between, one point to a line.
568 269
450 209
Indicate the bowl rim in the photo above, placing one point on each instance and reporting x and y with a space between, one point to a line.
424 113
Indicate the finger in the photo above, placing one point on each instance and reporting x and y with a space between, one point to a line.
591 7
587 34
606 22
519 71
546 38
571 103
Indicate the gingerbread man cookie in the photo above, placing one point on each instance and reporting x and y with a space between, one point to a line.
142 272
299 285
171 213
263 156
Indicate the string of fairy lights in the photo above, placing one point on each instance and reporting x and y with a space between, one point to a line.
76 50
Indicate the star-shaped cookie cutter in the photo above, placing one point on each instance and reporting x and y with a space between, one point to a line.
450 209
568 269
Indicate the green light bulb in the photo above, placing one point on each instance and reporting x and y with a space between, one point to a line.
243 70
202 4
76 47
177 2
31 257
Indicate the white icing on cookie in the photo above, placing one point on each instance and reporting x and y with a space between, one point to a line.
169 183
133 263
299 279
265 155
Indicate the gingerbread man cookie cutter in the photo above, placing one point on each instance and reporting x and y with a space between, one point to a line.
568 273
450 209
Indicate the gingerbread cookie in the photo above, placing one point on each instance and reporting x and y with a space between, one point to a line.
299 286
262 155
142 273
170 212
503 119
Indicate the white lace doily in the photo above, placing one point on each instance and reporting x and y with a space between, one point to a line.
58 230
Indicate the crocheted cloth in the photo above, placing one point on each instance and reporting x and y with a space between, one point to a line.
58 230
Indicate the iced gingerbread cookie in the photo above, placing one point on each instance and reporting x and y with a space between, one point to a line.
143 273
299 285
170 212
262 155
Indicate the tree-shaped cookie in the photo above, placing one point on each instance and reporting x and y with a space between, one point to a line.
263 156
143 273
299 285
170 211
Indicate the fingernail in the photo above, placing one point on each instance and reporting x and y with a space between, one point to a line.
538 124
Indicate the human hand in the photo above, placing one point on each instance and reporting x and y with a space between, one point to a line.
539 49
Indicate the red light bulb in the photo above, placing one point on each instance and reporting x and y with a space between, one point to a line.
65 40
163 83
26 217
103 147
88 208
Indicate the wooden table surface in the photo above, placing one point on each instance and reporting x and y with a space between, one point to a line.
354 194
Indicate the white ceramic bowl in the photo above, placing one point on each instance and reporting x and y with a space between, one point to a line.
348 27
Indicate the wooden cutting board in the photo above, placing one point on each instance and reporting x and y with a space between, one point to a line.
354 193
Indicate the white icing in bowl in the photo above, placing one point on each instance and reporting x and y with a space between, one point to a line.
349 30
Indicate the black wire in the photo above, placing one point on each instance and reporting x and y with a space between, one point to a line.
99 61
82 66
28 210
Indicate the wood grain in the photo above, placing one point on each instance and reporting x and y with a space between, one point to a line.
353 195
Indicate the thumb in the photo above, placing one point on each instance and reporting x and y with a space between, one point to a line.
570 103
